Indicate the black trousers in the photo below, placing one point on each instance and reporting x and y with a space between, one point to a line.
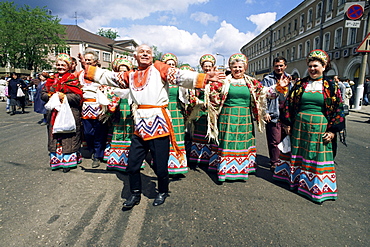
159 149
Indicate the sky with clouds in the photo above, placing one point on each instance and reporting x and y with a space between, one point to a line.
187 28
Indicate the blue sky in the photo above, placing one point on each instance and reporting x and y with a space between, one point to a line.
187 28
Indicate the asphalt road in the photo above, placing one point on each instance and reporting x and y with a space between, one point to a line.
40 207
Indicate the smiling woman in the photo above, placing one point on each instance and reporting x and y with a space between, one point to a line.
63 147
232 106
312 114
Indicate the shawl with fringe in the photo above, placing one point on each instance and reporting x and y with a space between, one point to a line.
216 94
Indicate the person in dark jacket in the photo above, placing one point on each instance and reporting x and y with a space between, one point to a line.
13 86
39 104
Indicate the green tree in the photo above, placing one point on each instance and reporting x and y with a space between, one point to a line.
28 36
157 55
108 33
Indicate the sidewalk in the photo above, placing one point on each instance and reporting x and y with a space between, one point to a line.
363 110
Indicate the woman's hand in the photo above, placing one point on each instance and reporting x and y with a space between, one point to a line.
328 137
284 80
267 118
61 96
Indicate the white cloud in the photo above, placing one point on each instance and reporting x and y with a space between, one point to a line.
203 18
96 14
167 37
189 47
263 20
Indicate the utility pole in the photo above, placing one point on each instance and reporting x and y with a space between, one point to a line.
76 17
218 54
360 87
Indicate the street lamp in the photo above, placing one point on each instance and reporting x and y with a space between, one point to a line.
218 54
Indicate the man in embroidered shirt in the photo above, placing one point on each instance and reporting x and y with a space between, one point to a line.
95 131
273 125
153 128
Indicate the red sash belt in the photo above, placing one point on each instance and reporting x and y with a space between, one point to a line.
179 154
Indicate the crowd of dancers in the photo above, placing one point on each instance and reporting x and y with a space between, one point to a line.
182 117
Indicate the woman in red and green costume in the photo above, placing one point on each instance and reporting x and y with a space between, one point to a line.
64 147
232 105
312 114
175 165
122 129
196 119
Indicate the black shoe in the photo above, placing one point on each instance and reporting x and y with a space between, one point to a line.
161 197
95 163
133 200
12 113
65 170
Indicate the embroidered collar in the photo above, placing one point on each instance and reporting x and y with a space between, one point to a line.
317 79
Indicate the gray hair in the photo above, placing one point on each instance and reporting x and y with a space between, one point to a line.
137 48
236 60
92 52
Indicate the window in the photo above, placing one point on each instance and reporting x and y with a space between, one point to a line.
293 53
338 38
274 36
329 5
316 44
283 31
106 57
288 55
309 16
352 34
318 10
300 51
327 42
341 2
308 47
301 22
295 24
278 35
289 25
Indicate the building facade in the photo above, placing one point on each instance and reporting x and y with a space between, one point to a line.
313 24
79 40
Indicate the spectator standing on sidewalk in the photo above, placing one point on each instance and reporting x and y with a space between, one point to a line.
39 104
13 86
366 91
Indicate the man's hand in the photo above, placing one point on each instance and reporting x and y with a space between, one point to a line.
267 118
82 60
286 129
215 75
